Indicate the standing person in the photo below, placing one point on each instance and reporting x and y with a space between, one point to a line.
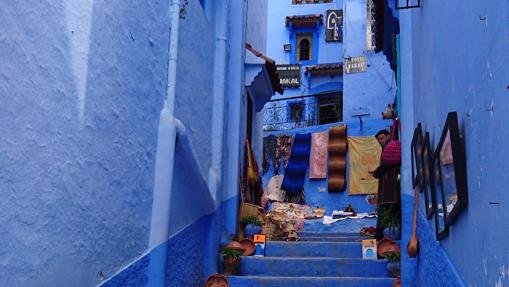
388 185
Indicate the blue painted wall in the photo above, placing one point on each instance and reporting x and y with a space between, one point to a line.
473 82
195 94
369 91
82 86
199 223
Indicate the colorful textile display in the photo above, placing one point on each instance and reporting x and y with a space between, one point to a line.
318 157
273 191
281 217
293 209
283 151
337 159
269 152
275 150
392 151
363 157
289 213
295 171
252 185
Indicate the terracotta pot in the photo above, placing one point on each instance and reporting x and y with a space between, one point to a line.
234 245
217 280
387 245
231 266
248 246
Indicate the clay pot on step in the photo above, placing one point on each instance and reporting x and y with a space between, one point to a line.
231 265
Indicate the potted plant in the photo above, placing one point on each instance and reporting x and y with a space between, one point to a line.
252 225
393 266
391 221
231 260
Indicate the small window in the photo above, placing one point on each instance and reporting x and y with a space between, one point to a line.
304 50
304 47
296 111
330 108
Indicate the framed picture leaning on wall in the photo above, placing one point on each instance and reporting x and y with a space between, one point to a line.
441 228
451 160
416 156
428 180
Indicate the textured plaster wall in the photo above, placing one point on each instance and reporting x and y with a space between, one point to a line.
256 28
256 35
195 74
440 271
448 76
189 261
372 90
81 89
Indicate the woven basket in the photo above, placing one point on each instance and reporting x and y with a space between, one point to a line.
247 209
272 230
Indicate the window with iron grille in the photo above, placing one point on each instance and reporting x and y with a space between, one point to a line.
330 108
296 111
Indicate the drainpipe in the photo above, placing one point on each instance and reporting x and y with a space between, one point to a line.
215 170
165 159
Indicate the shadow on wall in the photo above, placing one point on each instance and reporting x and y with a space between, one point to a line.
85 86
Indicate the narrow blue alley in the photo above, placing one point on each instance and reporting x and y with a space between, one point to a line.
248 143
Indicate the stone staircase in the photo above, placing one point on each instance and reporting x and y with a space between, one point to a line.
319 259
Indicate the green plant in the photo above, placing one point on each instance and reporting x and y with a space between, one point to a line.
251 220
392 256
234 254
391 217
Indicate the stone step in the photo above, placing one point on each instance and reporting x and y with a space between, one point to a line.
327 234
313 249
274 281
357 238
312 266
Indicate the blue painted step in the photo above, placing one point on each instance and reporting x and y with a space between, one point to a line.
254 281
333 239
312 266
327 234
313 249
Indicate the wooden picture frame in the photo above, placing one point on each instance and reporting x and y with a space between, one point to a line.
416 156
441 228
428 180
451 159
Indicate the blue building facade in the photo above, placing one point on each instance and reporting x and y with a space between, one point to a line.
298 39
342 79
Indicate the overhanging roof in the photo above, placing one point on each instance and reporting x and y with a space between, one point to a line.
325 69
262 79
310 20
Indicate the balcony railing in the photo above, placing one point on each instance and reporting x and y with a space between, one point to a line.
300 112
